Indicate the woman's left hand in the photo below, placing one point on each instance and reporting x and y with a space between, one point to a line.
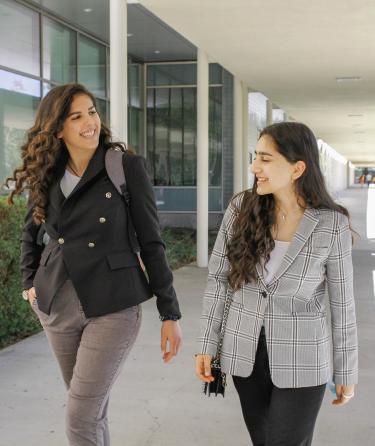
344 394
170 337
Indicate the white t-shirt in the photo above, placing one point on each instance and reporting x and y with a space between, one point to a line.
68 183
276 257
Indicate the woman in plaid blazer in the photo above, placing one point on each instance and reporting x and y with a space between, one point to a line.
281 246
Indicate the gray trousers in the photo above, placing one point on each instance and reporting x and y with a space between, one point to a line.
90 352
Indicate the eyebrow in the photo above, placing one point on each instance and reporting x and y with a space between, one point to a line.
263 153
78 112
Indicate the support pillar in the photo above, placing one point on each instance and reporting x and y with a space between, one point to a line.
238 136
119 69
245 137
202 158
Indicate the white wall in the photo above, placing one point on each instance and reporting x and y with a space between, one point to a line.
334 167
257 121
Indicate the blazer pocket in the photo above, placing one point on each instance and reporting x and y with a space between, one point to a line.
122 259
45 255
315 251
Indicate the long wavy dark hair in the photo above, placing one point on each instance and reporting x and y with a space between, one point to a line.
252 239
43 153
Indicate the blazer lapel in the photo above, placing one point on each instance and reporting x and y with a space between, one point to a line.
56 197
259 269
306 226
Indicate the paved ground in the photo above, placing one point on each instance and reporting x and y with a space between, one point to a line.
161 405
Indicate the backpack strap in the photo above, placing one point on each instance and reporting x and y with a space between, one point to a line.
115 170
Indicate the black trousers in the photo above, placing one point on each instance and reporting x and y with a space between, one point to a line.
274 416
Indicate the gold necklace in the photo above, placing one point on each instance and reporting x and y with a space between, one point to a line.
283 214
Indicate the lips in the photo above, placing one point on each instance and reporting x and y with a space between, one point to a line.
262 180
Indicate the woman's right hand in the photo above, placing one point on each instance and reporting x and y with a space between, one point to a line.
31 294
203 368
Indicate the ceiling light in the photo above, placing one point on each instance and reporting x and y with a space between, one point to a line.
156 52
87 9
348 79
359 132
355 116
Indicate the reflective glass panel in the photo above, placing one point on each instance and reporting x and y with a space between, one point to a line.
59 52
215 73
171 74
215 136
19 37
102 109
92 66
19 99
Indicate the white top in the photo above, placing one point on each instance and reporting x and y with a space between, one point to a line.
68 183
276 257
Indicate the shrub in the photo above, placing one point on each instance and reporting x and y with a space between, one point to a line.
17 319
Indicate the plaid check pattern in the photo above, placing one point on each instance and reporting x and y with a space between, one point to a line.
293 307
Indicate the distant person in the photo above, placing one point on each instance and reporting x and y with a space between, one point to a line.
368 179
86 285
361 180
280 245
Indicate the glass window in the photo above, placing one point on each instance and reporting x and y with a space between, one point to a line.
171 135
215 136
102 109
215 73
19 37
92 66
161 137
190 137
171 74
59 52
19 99
175 136
172 138
134 85
135 111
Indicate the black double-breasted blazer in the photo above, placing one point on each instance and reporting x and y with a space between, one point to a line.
90 244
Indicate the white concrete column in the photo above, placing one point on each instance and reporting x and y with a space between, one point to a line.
238 136
245 137
202 159
119 69
269 113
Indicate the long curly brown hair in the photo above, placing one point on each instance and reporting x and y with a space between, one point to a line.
43 154
252 239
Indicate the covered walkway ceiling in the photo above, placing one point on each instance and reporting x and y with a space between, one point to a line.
293 51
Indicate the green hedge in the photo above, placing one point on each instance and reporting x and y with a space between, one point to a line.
17 319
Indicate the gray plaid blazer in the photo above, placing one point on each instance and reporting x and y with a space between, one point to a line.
292 307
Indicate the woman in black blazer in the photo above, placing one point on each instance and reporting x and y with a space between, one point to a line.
85 282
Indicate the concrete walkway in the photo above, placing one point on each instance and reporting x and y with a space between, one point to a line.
161 405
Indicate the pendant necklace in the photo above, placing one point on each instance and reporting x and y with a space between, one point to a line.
283 214
74 171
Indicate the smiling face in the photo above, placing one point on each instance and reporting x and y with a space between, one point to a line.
81 128
274 173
